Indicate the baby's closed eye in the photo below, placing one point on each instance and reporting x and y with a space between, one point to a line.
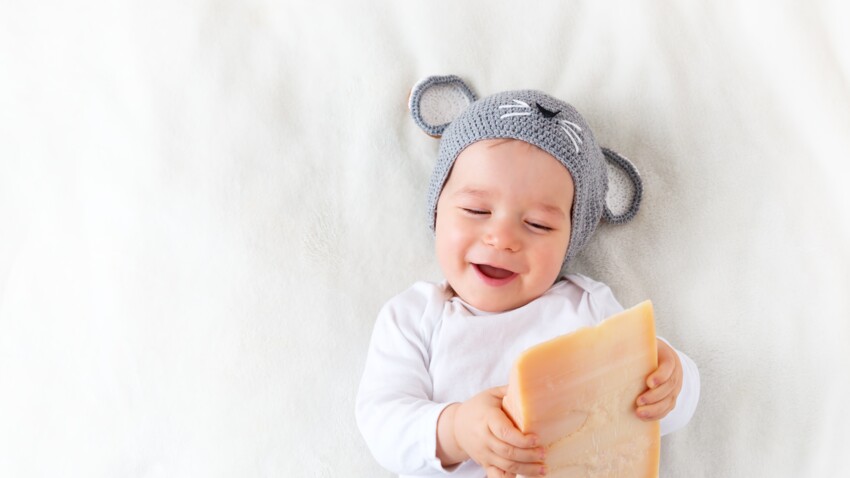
539 226
475 211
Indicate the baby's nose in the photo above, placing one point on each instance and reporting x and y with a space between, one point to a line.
504 236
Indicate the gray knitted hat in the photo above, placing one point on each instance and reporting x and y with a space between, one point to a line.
607 185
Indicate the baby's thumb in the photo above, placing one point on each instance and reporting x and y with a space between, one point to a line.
499 392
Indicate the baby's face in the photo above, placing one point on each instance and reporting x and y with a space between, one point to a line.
503 223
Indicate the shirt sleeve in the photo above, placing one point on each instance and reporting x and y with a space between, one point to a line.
602 305
394 410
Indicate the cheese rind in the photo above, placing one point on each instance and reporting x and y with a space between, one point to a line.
577 393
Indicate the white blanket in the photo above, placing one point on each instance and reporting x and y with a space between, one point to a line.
204 204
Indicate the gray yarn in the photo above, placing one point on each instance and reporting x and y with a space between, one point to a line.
425 85
624 164
483 120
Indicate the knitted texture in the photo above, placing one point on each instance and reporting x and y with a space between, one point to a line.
546 122
436 100
625 189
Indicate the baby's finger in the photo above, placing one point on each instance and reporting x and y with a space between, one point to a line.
518 455
493 472
524 469
656 394
503 429
661 374
499 392
657 410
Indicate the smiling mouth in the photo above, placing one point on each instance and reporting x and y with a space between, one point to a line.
494 272
494 275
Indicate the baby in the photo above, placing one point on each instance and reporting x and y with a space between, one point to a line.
519 188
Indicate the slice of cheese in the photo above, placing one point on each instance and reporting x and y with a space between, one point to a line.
577 392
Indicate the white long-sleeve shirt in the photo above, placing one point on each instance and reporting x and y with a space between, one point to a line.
430 349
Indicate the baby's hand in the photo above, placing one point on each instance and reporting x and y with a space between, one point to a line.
489 437
664 384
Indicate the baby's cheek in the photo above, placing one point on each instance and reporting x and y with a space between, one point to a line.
452 245
558 252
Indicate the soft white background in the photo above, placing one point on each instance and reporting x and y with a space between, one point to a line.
203 204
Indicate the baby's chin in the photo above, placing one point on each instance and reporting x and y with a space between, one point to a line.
493 303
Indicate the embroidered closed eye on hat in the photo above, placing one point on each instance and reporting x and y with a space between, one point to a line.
606 184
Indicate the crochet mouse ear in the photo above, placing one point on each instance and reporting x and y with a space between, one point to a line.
624 188
437 100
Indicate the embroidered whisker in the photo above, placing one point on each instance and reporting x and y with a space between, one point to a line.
506 115
520 103
572 124
570 134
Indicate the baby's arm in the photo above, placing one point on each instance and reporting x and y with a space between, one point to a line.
394 410
479 429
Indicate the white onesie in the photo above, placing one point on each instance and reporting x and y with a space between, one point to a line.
430 349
